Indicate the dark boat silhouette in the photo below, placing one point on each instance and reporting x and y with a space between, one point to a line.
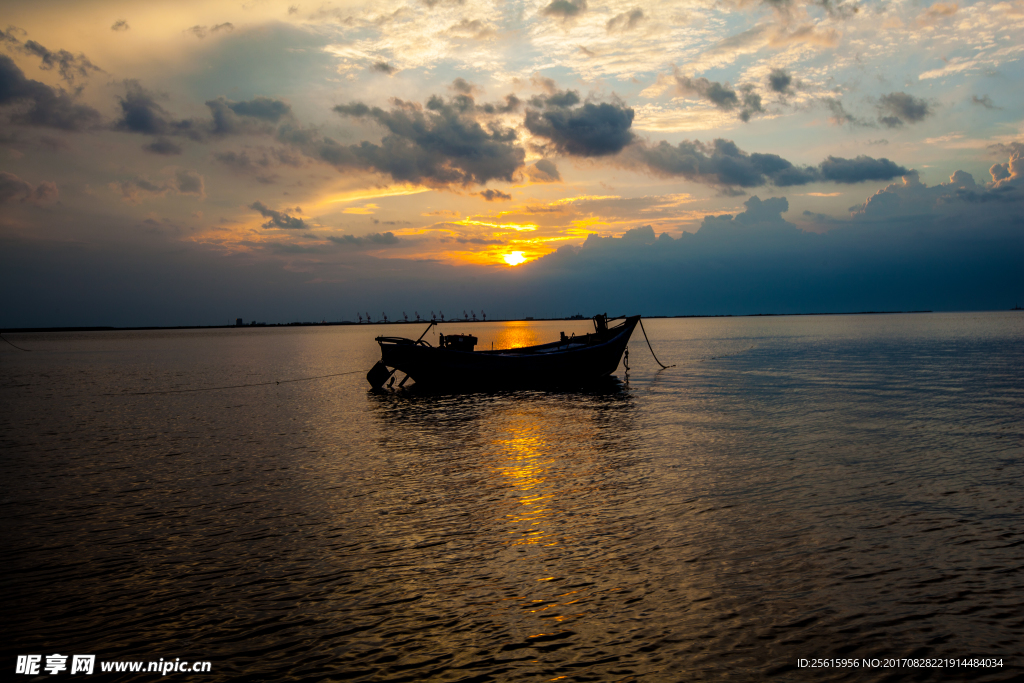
570 361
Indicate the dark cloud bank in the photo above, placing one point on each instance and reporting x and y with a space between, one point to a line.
956 245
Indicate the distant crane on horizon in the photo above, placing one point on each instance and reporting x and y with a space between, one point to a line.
483 314
473 313
417 315
360 316
405 316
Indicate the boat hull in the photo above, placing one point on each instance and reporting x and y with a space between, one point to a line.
569 364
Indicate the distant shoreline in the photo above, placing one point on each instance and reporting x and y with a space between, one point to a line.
420 322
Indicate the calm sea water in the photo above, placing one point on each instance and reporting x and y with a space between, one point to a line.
795 488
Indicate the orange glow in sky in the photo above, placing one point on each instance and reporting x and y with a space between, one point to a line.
515 258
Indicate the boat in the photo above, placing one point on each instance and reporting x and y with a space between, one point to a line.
570 361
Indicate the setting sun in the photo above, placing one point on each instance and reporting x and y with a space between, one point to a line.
515 258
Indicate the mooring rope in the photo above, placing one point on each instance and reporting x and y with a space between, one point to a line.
13 344
663 366
234 386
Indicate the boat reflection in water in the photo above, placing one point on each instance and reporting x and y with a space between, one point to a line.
528 512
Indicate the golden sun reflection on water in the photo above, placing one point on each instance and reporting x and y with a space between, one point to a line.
527 470
517 334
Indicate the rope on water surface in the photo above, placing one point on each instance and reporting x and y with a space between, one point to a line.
234 386
13 344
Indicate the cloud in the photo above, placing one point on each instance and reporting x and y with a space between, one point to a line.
839 114
120 25
512 103
722 164
555 98
858 170
202 31
56 144
898 108
1012 172
189 182
477 240
264 108
69 66
253 116
544 171
141 113
14 189
565 9
261 161
474 29
806 34
939 10
955 199
590 130
984 101
643 234
626 21
10 35
376 239
495 195
163 146
441 144
728 49
463 86
278 219
383 67
758 214
835 10
47 107
722 96
185 182
132 190
780 81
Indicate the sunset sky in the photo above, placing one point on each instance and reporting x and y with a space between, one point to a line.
193 162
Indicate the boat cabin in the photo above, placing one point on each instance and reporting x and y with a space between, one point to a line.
457 342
